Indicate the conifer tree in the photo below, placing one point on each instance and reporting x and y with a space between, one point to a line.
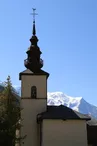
9 113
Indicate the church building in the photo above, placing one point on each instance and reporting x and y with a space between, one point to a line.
46 125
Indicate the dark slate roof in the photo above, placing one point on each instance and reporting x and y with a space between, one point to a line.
92 122
92 132
28 72
61 112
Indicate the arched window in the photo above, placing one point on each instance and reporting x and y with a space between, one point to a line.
33 92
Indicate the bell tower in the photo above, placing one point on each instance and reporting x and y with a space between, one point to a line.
33 91
34 62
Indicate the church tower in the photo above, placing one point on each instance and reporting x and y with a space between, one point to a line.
33 91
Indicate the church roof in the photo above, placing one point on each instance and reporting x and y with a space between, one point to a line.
29 72
92 122
61 112
92 131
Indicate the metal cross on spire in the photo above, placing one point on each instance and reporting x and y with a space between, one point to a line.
34 14
34 30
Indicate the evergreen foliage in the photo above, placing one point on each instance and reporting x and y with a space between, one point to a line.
9 115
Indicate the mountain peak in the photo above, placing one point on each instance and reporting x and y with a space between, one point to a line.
58 98
75 103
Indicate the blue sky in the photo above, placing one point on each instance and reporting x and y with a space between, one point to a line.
67 32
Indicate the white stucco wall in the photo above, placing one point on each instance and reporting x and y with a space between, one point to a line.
27 81
30 127
64 133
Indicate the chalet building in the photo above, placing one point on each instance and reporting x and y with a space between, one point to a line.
48 125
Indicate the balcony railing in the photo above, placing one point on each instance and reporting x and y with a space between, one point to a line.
41 61
25 61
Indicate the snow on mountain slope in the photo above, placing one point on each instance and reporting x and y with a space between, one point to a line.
76 103
58 98
87 108
1 83
18 89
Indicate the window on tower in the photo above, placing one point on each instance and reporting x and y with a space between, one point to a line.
33 92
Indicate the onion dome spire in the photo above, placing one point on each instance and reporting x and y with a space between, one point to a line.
33 61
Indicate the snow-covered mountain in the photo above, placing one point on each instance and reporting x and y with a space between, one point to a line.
58 98
76 103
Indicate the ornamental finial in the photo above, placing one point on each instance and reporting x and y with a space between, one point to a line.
34 30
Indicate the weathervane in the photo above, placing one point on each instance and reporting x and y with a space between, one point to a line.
34 14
